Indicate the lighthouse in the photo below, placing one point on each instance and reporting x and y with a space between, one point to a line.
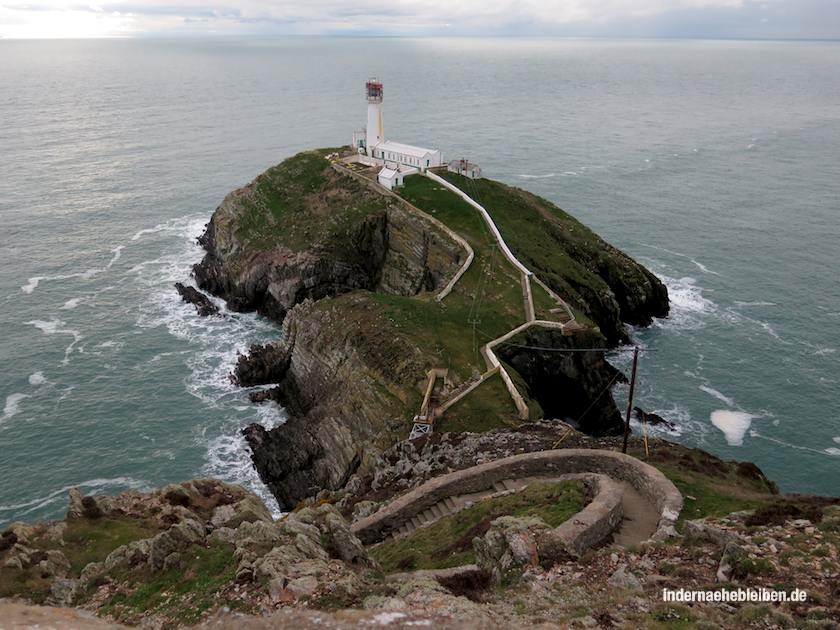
396 159
375 132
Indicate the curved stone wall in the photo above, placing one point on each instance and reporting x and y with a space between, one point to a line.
646 479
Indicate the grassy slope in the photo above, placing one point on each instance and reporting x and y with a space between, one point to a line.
544 238
302 201
86 540
180 595
710 486
448 541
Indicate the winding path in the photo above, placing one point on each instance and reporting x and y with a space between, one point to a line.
633 501
492 361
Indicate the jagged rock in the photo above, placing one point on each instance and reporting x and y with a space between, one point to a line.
90 508
203 305
177 538
249 509
364 508
75 509
8 540
699 530
222 515
652 419
336 536
567 385
54 565
732 554
172 561
624 578
132 554
62 592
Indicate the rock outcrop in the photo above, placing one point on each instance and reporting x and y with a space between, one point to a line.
342 373
284 239
573 386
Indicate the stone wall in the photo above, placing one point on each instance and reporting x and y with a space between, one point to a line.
646 479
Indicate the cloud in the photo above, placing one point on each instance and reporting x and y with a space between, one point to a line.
699 18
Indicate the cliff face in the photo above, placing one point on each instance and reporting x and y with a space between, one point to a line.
344 375
573 386
351 272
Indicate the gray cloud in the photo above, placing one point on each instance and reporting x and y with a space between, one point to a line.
805 19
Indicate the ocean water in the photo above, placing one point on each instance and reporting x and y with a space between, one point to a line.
714 163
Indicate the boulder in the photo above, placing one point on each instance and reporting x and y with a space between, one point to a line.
510 542
732 554
701 531
62 592
624 578
177 538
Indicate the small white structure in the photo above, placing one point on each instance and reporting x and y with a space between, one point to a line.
397 159
390 178
465 168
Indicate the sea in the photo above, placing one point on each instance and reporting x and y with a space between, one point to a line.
714 163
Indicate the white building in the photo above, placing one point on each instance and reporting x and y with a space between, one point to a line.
404 159
390 178
465 168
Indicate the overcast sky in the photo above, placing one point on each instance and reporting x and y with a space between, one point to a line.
776 19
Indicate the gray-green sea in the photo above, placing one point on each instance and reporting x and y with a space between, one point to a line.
715 163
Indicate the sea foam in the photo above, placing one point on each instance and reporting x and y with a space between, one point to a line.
37 379
12 407
733 424
716 394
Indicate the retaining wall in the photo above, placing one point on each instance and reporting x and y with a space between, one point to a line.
647 480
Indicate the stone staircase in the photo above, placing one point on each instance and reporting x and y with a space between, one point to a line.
453 504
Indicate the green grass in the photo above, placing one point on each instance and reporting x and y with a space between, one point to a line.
566 254
448 541
487 407
710 487
91 540
85 541
485 303
709 498
302 201
182 595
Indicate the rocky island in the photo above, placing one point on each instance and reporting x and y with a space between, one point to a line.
451 456
353 274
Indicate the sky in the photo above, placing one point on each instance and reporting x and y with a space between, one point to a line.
740 19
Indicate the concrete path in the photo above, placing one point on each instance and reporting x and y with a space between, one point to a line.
640 518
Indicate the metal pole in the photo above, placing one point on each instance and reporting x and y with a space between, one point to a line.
630 399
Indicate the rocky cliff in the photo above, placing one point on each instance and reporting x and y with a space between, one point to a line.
205 554
352 272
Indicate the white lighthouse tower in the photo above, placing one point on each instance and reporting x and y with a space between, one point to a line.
375 131
397 160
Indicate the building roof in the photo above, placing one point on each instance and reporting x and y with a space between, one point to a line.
388 173
405 149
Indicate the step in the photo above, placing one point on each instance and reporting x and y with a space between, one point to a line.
430 515
450 504
416 522
510 484
436 511
498 487
444 509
